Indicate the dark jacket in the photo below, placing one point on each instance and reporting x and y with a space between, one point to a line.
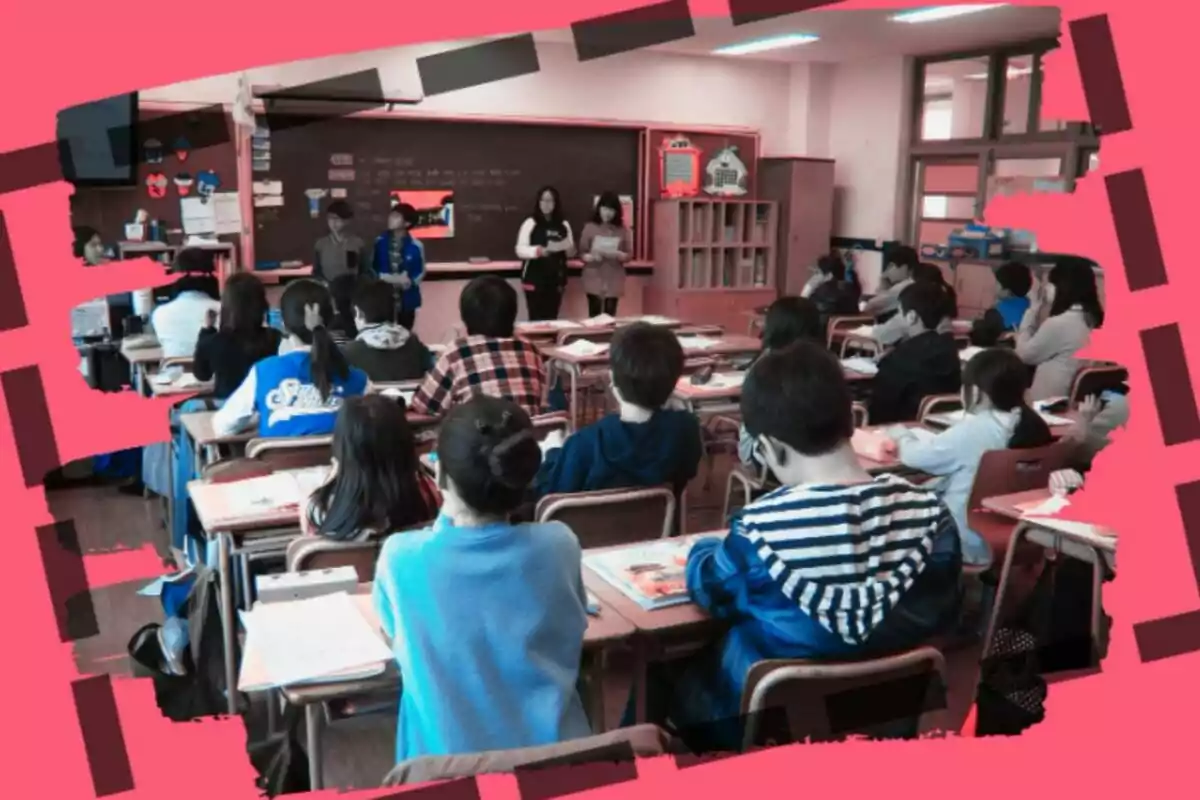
389 353
924 365
835 299
226 359
611 454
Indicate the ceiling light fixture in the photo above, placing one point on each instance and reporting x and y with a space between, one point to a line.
763 45
1013 72
938 13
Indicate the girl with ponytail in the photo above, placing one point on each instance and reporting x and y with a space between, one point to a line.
483 614
299 392
995 417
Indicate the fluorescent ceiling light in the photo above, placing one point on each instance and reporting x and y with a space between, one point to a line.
1013 72
937 13
763 45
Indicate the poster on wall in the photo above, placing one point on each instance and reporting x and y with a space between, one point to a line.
435 211
726 174
680 167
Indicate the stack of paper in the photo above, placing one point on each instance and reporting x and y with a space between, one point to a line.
697 342
313 640
863 366
602 321
866 331
583 348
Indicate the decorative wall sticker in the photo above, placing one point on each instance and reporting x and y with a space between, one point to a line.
207 182
152 151
726 174
182 148
183 182
156 185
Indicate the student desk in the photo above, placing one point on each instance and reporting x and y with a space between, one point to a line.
604 630
723 398
546 333
575 365
1014 506
140 359
176 389
205 440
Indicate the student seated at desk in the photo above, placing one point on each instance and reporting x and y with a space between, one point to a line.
835 564
788 320
376 486
996 418
925 363
225 356
1063 312
384 350
486 618
489 361
829 289
892 331
899 265
643 444
299 393
1013 283
177 323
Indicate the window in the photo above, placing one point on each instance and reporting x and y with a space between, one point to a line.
955 99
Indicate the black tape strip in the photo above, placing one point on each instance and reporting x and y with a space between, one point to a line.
744 12
599 37
103 739
1180 634
29 167
1100 73
1137 235
66 578
478 64
12 302
1171 382
33 431
332 98
578 772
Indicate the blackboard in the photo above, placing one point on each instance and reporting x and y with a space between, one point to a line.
493 169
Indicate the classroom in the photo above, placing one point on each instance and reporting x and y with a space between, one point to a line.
648 400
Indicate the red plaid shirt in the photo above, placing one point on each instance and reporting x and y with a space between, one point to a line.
507 368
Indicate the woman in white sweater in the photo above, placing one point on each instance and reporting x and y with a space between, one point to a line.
1063 312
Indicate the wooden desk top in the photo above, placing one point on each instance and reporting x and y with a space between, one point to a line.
175 389
211 503
1015 505
198 425
141 355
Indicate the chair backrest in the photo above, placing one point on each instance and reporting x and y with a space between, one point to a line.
545 424
1009 471
788 700
307 553
556 764
291 452
845 323
938 404
1092 380
619 516
235 469
862 345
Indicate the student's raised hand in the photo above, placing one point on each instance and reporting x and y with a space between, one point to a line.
312 317
1089 408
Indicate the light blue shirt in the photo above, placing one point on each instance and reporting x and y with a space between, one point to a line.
487 627
955 454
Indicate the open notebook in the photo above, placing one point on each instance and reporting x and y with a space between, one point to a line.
651 575
863 366
278 491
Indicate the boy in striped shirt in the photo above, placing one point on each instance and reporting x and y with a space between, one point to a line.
836 564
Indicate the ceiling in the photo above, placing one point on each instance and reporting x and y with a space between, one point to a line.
863 34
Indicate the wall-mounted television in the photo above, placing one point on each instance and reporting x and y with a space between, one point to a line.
97 142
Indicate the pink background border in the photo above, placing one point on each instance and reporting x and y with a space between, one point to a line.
1104 734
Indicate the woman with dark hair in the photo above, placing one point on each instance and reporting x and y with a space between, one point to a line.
831 291
376 486
297 393
88 245
226 355
996 418
544 244
606 244
486 617
1063 312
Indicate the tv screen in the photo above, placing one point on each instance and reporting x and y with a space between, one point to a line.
96 142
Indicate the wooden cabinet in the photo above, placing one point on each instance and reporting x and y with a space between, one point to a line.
715 259
803 190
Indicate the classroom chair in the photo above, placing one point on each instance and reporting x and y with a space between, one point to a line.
235 469
837 326
612 517
308 553
545 424
796 698
1007 472
860 345
755 480
291 452
1095 378
591 381
556 764
938 404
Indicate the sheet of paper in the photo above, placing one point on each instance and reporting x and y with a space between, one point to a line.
582 347
400 394
697 342
227 213
863 366
967 353
1047 508
867 331
306 639
606 245
654 319
601 321
198 217
261 495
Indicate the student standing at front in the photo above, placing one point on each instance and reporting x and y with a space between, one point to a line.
606 244
400 260
342 252
544 244
486 618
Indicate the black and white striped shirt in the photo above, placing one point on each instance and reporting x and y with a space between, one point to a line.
845 554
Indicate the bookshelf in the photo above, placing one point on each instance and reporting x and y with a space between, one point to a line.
714 259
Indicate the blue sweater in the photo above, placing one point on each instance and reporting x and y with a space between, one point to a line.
611 454
1012 310
487 627
413 254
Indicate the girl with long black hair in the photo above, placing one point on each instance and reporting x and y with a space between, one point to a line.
544 244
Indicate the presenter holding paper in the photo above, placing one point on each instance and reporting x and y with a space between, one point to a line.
606 244
544 244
